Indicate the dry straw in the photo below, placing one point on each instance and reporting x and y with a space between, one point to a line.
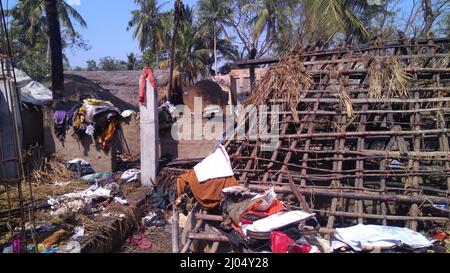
287 80
387 78
342 92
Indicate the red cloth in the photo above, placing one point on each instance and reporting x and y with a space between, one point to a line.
281 243
143 84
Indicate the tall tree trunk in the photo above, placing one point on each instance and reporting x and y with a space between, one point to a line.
215 51
172 63
54 36
155 49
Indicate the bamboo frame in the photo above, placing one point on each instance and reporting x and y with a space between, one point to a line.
343 169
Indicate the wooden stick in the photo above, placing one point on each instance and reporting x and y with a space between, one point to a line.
357 195
175 230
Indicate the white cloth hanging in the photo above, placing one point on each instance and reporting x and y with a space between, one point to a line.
216 165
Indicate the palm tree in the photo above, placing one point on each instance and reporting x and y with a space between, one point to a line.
152 26
278 21
213 14
191 56
328 17
29 17
272 17
30 22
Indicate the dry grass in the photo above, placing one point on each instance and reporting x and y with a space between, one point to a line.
387 79
342 92
285 80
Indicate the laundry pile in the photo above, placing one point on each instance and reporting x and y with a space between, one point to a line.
50 238
261 222
92 118
90 201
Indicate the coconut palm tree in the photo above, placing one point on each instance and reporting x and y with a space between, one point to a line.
191 55
272 17
212 18
55 44
37 20
151 26
329 17
276 21
30 18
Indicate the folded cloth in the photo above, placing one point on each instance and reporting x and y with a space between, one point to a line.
278 220
216 165
208 195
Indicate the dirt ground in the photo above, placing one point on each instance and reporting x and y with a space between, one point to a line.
161 242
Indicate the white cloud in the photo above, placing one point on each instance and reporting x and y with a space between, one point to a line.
74 2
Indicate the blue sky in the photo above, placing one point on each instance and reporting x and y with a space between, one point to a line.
106 33
107 29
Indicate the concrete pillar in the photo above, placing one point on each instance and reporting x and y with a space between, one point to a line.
149 136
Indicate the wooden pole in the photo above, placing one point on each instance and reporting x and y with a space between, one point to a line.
178 13
175 230
358 195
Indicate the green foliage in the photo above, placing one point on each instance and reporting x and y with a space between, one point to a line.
111 64
191 56
151 26
34 63
91 65
29 35
132 61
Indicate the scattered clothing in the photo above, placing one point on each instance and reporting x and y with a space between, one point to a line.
131 175
161 198
90 130
141 240
71 114
96 177
121 201
156 219
60 124
366 237
106 135
79 201
70 247
208 195
241 206
55 238
95 107
80 166
78 232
